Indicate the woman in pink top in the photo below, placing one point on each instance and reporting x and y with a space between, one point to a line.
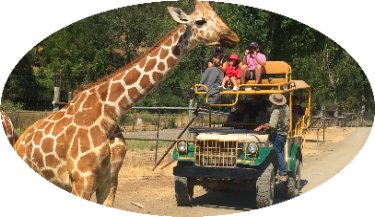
232 71
253 64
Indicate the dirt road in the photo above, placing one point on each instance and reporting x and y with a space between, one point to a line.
333 157
144 191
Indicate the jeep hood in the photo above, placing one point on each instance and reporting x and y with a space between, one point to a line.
232 137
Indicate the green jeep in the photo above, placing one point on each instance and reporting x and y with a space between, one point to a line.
219 158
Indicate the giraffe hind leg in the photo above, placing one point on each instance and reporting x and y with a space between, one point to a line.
105 193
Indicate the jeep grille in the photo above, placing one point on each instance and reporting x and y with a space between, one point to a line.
216 153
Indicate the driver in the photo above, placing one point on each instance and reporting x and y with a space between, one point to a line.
279 125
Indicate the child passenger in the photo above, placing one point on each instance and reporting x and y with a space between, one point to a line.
232 71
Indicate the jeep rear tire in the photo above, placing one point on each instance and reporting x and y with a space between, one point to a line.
184 188
265 187
294 179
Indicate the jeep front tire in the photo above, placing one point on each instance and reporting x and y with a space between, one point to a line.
184 188
265 186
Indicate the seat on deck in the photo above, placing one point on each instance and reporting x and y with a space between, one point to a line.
279 71
277 80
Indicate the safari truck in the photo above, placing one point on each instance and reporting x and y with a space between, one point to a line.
239 158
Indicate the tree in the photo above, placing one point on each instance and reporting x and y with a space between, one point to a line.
21 87
98 45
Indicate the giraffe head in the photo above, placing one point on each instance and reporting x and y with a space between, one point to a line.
205 25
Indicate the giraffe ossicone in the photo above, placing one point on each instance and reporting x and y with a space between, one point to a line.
80 148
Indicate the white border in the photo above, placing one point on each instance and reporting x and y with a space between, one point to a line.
25 23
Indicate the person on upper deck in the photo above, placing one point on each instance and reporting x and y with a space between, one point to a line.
217 59
253 65
232 71
213 75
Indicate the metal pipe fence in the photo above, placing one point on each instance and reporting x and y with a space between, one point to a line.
341 118
161 125
153 118
136 119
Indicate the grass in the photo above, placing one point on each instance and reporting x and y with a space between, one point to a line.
146 145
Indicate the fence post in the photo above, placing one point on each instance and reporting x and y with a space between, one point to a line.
56 91
363 110
336 116
56 98
192 104
69 96
322 115
157 137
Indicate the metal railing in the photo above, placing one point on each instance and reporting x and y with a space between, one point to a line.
216 153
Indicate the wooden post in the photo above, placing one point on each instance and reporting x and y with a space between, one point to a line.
192 104
157 138
69 96
56 91
56 98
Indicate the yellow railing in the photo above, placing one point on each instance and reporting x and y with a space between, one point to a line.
246 89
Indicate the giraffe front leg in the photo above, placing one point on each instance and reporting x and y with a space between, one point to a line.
83 174
83 186
105 193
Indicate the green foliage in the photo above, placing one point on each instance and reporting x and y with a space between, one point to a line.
8 105
22 88
98 45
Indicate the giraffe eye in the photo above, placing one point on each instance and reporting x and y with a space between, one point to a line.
200 22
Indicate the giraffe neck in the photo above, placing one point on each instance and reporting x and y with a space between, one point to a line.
129 85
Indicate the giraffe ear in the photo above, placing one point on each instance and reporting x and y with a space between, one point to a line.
178 15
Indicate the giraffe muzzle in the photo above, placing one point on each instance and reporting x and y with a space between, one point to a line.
229 40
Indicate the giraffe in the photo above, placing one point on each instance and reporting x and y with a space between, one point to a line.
9 130
80 148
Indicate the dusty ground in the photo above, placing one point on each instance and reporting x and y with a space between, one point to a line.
142 190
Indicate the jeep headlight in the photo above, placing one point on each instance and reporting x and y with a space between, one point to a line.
182 146
252 147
